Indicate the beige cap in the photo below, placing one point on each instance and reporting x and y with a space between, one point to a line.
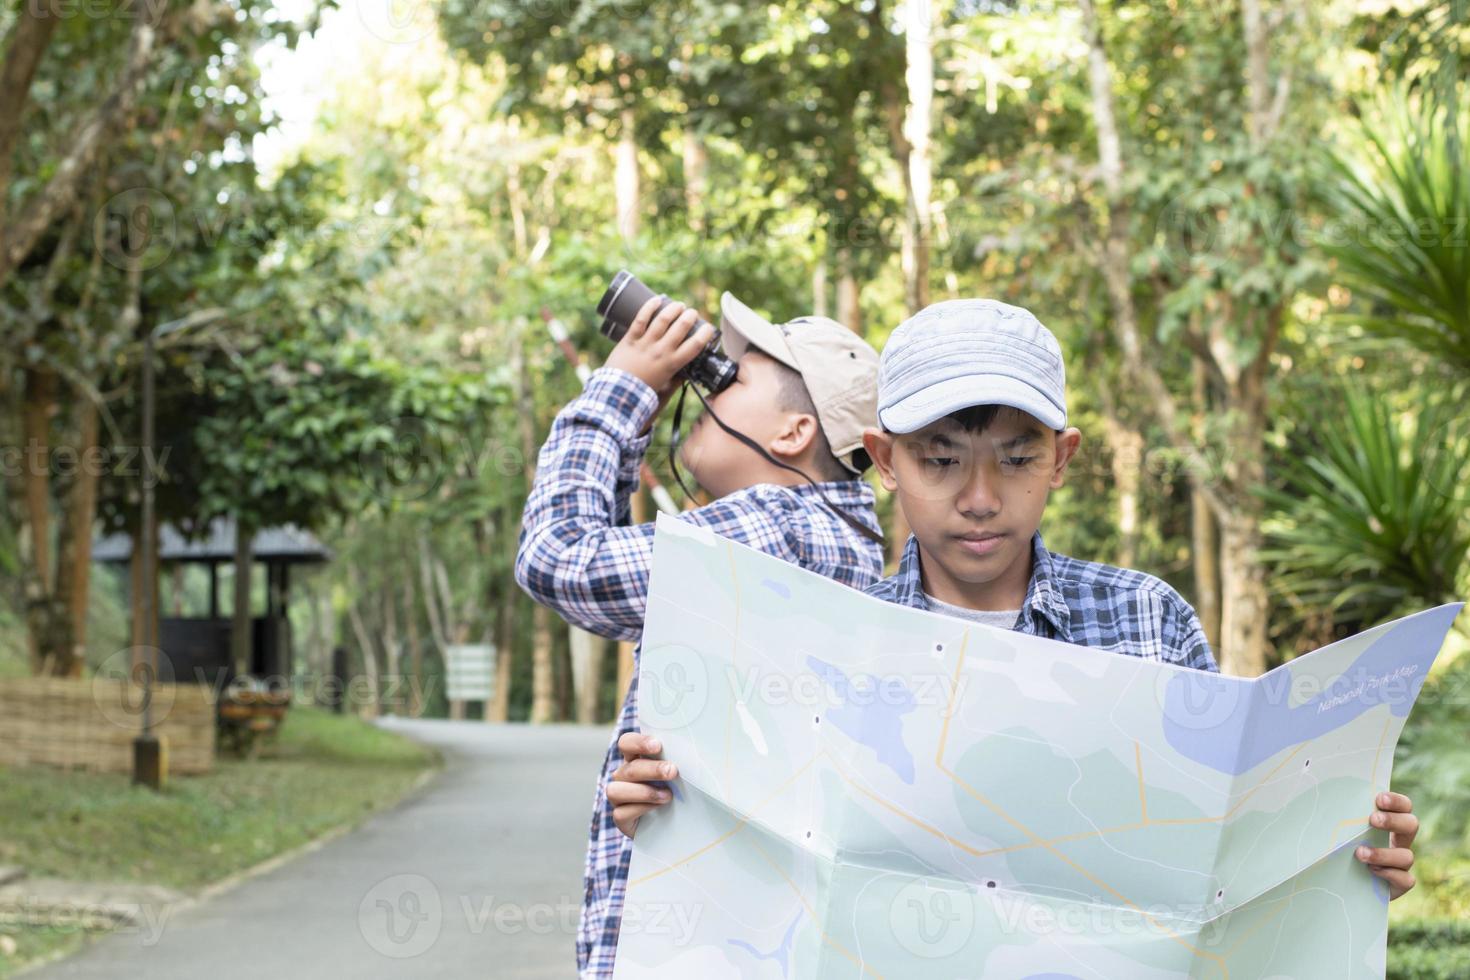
839 367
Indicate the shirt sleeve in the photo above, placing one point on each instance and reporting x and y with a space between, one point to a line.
1184 637
574 556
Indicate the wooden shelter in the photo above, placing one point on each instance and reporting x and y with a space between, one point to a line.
197 647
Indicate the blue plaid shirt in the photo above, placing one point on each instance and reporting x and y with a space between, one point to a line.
1085 603
576 558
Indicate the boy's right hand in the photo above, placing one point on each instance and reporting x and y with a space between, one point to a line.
657 347
633 789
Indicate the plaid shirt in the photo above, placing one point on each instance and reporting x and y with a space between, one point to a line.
575 558
1085 603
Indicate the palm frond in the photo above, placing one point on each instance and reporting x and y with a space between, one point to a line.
1370 515
1397 188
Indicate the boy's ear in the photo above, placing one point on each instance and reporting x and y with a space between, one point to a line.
1068 440
797 434
879 446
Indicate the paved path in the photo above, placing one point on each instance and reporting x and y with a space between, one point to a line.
478 876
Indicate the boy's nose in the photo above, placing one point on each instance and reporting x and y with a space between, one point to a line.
980 495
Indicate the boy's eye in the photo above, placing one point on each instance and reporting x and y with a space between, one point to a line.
1019 460
940 461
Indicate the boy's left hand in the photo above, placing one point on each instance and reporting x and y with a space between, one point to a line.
1392 863
640 784
659 344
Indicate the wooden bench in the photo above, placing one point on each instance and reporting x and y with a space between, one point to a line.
250 714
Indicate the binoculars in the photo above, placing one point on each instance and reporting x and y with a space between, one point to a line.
625 296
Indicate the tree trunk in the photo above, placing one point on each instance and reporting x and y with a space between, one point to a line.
74 572
240 620
437 614
93 134
1204 533
909 118
497 709
1124 444
369 709
1125 460
331 631
627 663
49 567
565 693
819 287
391 652
849 294
1244 605
36 413
543 674
415 647
913 153
587 655
626 179
1266 105
1205 539
29 38
323 631
1244 608
696 168
311 644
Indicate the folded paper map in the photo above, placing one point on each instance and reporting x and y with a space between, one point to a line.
873 791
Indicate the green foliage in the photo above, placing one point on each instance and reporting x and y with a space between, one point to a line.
1435 949
1424 42
1370 516
1399 187
1432 766
163 190
802 93
295 430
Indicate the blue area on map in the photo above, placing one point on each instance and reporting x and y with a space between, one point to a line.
871 714
1380 887
781 954
779 588
1233 725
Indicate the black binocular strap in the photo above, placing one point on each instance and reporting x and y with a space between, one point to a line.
741 437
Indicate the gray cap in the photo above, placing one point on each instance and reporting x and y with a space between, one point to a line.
967 352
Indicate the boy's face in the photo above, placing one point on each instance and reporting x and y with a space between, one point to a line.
753 406
974 499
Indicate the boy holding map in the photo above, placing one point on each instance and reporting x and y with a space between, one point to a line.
802 395
973 438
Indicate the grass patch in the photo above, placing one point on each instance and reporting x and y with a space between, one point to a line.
33 943
324 771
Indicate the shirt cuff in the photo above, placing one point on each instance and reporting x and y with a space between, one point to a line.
620 404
